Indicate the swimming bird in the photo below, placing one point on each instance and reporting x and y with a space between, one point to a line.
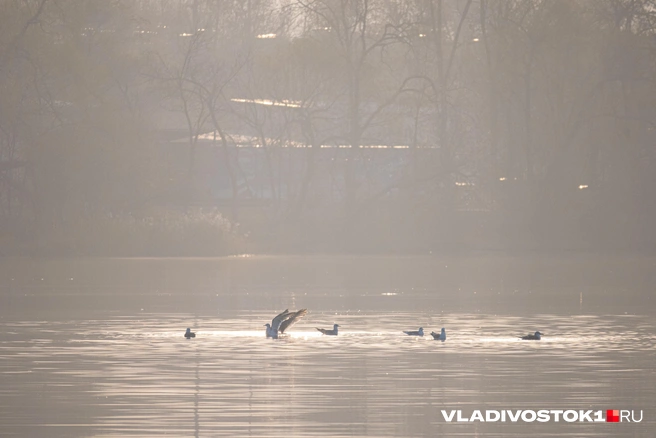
328 332
534 337
189 334
283 321
419 332
441 336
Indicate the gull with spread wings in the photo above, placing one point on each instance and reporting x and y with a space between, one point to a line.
283 321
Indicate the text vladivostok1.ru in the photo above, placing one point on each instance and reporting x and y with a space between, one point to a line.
544 416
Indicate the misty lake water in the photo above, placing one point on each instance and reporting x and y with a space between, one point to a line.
95 347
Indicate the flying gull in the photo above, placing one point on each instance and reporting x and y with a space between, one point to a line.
328 332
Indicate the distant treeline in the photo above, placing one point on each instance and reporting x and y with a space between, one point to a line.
526 124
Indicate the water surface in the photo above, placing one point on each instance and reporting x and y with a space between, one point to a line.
95 347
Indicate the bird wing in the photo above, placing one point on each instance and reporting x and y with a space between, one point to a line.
275 323
322 330
435 335
293 318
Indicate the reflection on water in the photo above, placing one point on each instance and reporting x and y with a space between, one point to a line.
68 370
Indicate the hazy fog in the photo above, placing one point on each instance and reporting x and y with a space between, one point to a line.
206 127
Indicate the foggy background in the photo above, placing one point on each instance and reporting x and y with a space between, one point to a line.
208 127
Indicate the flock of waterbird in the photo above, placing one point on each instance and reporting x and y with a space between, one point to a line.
286 319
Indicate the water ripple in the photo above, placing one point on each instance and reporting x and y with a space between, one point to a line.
137 376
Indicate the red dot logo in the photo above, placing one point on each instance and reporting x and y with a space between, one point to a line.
612 416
